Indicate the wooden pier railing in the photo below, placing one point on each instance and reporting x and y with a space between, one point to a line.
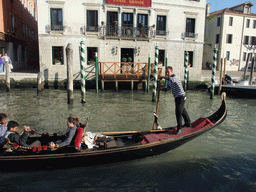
123 70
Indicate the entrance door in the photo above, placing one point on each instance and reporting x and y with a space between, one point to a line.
127 55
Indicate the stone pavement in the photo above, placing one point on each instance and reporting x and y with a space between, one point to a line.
205 75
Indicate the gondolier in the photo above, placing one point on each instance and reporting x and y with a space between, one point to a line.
178 92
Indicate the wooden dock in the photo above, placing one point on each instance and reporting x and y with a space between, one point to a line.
124 72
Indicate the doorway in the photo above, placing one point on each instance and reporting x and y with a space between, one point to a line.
127 55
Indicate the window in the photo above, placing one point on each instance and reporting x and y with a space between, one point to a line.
254 24
161 57
246 40
112 23
142 20
228 55
247 23
217 38
23 54
190 27
229 38
12 23
91 54
244 56
127 20
15 52
161 25
142 25
253 40
218 21
92 21
230 21
56 20
190 58
57 56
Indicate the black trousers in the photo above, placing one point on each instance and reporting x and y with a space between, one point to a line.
181 111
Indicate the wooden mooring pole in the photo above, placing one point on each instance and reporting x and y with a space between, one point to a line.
8 80
40 83
252 71
69 53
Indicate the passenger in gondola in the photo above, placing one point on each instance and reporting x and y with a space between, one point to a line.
14 137
228 79
72 123
3 124
178 92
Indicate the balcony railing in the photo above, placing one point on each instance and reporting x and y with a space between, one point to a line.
190 35
113 31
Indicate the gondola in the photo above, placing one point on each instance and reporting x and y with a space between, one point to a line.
120 146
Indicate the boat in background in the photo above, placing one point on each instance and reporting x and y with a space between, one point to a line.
240 89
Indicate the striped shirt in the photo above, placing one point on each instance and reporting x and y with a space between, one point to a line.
175 84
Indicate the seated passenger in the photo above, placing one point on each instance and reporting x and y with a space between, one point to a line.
3 124
228 79
71 131
14 137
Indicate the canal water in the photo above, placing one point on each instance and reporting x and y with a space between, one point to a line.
222 159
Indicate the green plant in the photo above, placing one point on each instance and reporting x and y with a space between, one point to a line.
124 59
129 59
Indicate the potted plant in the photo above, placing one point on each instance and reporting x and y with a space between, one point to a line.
91 62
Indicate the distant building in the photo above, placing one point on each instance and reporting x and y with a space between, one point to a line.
18 33
233 32
121 28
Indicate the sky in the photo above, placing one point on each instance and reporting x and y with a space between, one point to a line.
222 4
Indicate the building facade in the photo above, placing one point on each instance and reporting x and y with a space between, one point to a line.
233 32
18 33
118 29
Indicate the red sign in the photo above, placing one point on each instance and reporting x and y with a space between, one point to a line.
140 3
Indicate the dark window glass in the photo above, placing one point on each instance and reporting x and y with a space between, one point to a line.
92 20
190 27
161 25
229 38
57 56
56 19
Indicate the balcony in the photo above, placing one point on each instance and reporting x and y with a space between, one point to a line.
126 32
189 35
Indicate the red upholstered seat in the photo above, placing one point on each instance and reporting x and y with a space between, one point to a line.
150 138
201 122
78 137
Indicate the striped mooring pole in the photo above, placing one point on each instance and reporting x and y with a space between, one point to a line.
82 60
149 70
166 64
155 74
97 72
186 71
215 50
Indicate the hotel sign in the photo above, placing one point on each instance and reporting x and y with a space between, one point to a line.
141 3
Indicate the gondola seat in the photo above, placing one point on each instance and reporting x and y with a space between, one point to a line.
201 123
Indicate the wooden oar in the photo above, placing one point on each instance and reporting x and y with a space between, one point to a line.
156 124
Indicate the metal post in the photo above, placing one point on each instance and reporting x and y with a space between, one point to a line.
149 71
215 50
97 72
186 71
82 62
221 76
69 53
252 71
166 64
155 74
